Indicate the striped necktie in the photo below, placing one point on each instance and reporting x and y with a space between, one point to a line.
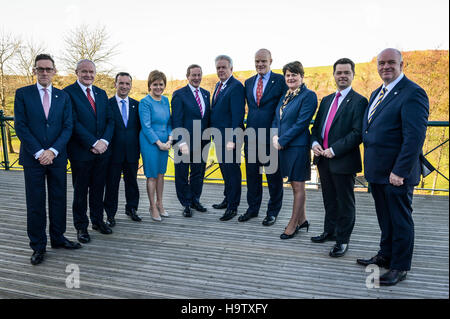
380 98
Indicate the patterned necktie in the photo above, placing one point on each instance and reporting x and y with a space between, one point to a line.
197 98
46 103
91 100
380 98
124 112
259 90
330 120
218 91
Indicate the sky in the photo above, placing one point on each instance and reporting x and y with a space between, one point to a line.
169 35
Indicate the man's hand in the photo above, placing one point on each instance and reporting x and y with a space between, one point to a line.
230 146
327 153
396 180
101 147
317 150
93 150
184 149
46 157
275 142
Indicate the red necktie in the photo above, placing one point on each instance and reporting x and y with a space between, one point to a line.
259 90
330 120
197 98
91 100
218 91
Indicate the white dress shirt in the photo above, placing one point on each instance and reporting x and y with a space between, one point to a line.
389 88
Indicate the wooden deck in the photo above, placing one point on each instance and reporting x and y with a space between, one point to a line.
202 257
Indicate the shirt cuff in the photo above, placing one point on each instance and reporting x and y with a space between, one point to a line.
106 142
38 153
54 151
331 150
314 144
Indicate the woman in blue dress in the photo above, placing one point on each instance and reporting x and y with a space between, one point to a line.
155 140
292 118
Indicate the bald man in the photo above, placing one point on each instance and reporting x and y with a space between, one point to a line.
262 92
394 128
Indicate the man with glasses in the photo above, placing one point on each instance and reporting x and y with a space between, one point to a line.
43 123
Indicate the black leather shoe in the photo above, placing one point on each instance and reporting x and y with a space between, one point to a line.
198 207
102 228
246 216
269 220
67 244
323 238
338 250
83 236
187 211
222 205
392 277
111 221
134 216
229 213
287 236
376 260
37 257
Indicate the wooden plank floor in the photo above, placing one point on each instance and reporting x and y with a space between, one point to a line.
202 257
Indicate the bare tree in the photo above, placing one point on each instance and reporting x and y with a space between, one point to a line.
26 55
85 43
9 45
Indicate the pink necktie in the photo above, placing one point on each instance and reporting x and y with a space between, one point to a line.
91 100
218 91
330 120
259 90
197 98
46 103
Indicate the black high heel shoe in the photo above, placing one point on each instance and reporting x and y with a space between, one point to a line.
305 224
286 236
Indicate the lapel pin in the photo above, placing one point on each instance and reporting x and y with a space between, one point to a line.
395 93
273 81
348 101
56 96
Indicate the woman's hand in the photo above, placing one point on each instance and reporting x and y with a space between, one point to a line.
275 142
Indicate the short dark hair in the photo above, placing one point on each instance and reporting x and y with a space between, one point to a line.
192 66
122 74
294 67
344 61
156 76
43 56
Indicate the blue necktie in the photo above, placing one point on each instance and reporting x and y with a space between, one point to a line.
124 112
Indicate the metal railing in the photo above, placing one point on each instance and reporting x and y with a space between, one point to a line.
5 122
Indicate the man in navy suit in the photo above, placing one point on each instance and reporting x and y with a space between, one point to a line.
263 92
394 129
227 115
88 149
335 138
190 110
43 123
124 151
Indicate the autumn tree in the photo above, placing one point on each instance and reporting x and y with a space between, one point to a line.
26 54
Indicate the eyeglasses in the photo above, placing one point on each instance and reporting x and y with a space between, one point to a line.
47 70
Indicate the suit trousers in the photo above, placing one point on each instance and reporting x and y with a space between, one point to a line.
339 201
394 213
232 176
57 204
111 200
255 189
189 181
88 177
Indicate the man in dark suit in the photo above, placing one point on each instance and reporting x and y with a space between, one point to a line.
88 149
190 110
43 123
263 92
335 138
227 114
124 151
394 129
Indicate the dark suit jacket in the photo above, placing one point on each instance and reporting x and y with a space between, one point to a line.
262 116
345 133
88 126
228 110
185 110
394 138
125 141
293 128
35 131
